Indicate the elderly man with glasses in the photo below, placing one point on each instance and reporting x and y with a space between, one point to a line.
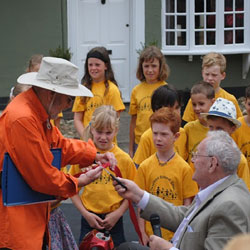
219 211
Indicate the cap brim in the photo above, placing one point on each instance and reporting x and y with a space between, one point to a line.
30 78
234 121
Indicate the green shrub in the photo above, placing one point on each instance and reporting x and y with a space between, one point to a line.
61 53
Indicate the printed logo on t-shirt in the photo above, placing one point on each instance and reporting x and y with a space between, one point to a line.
94 102
105 178
164 187
144 104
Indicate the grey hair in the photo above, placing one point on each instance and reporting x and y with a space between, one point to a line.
221 145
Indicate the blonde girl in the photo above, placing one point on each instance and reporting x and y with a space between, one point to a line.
100 205
153 72
99 78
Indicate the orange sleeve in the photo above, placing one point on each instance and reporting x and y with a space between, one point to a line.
33 158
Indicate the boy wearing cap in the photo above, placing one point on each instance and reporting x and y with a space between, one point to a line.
213 72
27 135
202 97
222 116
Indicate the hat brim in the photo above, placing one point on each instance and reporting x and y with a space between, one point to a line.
218 114
30 78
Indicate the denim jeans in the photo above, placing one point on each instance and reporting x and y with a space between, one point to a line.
117 232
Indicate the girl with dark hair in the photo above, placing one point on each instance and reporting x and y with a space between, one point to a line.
99 78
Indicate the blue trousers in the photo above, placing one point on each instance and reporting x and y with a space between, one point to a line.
117 232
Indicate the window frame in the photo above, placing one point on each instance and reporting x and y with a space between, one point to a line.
190 48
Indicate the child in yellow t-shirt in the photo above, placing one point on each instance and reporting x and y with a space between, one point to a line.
222 116
152 71
164 96
213 72
100 205
242 134
99 78
202 97
165 174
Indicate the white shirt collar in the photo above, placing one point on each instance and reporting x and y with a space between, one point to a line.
203 194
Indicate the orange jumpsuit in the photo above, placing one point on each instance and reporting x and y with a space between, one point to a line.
26 135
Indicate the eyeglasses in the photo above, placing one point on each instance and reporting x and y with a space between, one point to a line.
195 155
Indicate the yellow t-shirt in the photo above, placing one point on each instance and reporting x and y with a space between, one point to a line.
113 97
242 138
100 196
140 105
195 132
146 146
189 114
59 115
171 182
243 171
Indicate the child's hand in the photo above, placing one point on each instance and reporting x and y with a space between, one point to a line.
131 153
94 221
110 220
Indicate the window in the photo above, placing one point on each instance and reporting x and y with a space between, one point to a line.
175 23
199 26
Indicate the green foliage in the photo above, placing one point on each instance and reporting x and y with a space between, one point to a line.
61 53
144 46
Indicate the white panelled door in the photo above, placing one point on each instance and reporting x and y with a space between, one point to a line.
105 23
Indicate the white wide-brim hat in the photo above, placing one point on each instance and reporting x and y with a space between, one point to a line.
223 108
58 75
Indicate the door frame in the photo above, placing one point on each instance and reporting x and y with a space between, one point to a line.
136 34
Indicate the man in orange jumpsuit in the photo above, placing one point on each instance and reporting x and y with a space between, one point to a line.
27 135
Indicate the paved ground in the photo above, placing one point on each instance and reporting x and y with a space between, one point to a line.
72 214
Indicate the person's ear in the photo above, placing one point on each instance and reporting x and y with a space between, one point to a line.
233 128
176 136
223 75
213 165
